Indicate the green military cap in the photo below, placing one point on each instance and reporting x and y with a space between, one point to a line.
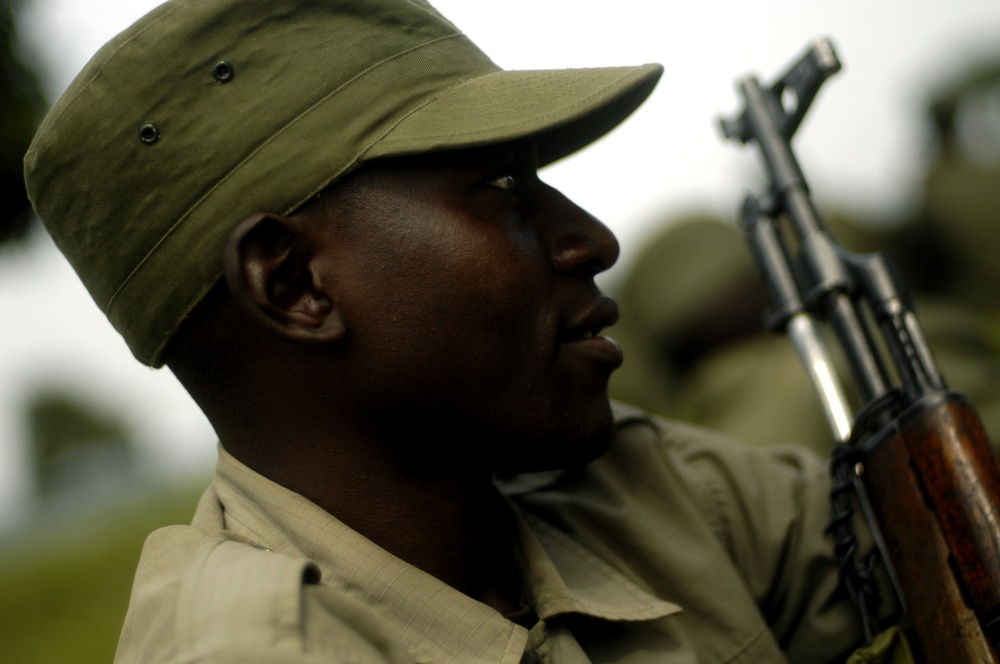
206 111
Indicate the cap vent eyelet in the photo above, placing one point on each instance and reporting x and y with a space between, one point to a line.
148 133
223 72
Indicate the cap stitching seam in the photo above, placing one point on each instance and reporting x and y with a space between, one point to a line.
616 84
419 108
187 213
381 137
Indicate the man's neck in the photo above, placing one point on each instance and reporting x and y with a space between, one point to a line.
442 518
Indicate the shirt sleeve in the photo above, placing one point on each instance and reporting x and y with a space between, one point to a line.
768 506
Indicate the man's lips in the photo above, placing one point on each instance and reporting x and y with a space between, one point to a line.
600 349
583 336
587 322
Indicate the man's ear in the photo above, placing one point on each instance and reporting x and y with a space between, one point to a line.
269 263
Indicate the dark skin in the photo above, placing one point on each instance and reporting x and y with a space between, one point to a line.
446 298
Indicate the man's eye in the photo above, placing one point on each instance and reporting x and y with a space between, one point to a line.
505 182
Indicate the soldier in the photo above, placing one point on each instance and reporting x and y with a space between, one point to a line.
326 219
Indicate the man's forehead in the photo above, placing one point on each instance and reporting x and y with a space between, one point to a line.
391 173
396 176
521 152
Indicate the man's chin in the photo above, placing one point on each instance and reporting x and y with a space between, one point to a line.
561 451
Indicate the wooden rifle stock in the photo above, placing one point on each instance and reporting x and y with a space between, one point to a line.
917 458
933 484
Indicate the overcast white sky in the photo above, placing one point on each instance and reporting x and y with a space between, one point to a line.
862 146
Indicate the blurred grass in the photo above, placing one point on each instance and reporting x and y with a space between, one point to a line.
64 589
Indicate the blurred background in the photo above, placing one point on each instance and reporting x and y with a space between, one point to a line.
902 150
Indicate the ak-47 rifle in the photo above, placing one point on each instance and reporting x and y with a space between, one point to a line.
916 458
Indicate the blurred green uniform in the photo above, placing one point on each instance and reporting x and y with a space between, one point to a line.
696 349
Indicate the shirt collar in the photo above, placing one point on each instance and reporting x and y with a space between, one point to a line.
562 577
436 621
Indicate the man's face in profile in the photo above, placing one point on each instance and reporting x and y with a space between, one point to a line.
466 287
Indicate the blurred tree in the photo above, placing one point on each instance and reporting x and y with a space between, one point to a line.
950 246
64 591
72 444
947 251
22 104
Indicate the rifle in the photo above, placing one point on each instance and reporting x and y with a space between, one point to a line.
916 459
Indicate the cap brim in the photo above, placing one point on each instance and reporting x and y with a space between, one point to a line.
562 110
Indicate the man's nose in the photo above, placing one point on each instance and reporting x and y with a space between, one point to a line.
580 244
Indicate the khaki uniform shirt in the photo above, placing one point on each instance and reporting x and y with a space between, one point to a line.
675 546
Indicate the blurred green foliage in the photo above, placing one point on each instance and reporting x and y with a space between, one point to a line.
64 592
70 440
22 104
956 228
